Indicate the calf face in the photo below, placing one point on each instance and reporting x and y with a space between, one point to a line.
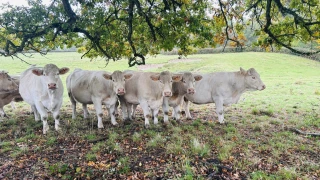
6 82
118 79
188 80
166 79
50 73
252 79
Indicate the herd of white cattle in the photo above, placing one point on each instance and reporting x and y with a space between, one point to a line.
42 88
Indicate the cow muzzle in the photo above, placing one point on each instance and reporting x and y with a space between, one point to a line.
191 91
52 86
263 87
167 94
121 91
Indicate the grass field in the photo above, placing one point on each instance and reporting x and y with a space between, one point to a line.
256 143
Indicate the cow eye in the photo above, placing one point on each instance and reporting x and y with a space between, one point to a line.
170 80
160 81
113 80
253 77
184 81
9 79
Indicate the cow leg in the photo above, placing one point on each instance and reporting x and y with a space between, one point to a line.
186 109
134 107
44 116
112 114
219 110
85 111
98 107
177 113
173 114
124 109
146 112
74 106
155 116
35 112
3 114
116 111
165 108
129 110
56 117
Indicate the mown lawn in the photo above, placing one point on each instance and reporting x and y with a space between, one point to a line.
256 143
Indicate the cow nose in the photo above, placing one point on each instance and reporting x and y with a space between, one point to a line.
121 91
191 91
52 86
263 87
167 93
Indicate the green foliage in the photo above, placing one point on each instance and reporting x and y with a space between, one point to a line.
116 29
199 148
156 141
124 165
136 137
90 156
51 141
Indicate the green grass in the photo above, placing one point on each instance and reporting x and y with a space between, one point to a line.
255 138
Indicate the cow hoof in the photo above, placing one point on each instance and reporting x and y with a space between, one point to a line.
126 122
147 126
189 118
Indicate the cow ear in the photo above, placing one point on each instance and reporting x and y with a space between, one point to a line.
242 71
38 72
155 77
177 77
251 71
63 70
127 76
197 77
107 76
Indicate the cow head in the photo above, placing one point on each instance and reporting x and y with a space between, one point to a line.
188 80
7 83
166 79
252 79
50 73
118 79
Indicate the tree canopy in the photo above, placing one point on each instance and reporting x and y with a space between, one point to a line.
134 28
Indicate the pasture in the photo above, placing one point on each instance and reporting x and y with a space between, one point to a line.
257 142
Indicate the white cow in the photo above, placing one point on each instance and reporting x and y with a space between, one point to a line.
43 90
9 90
179 90
224 88
98 88
148 90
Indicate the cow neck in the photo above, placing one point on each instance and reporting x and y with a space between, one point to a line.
239 82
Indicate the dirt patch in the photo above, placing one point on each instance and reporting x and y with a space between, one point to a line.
155 66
